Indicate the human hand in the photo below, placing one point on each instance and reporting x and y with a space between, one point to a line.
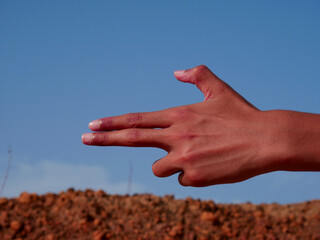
223 139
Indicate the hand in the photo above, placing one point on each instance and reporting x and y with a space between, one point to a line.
223 139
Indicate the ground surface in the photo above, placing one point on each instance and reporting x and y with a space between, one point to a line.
97 215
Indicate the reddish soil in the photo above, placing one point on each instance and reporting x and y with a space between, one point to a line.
97 215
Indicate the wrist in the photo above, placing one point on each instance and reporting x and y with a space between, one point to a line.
293 140
275 147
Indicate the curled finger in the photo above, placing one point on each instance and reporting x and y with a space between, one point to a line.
165 167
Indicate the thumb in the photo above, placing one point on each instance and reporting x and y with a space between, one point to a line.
208 83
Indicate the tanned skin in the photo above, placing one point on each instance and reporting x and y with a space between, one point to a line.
223 139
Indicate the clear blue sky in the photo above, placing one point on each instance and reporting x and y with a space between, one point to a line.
65 63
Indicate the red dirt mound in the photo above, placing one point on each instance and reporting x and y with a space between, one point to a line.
97 215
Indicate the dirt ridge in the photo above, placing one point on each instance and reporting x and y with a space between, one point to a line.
97 215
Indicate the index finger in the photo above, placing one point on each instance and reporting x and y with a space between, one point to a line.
158 119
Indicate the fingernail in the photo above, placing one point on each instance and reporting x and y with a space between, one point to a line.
94 125
87 138
179 72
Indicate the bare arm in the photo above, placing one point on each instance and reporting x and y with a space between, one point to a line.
223 139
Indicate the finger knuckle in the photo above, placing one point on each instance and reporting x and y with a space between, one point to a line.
186 156
181 114
183 159
133 135
134 119
105 139
185 135
200 69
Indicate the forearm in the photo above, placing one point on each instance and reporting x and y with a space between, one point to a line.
296 135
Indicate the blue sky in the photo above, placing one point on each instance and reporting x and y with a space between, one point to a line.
65 63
